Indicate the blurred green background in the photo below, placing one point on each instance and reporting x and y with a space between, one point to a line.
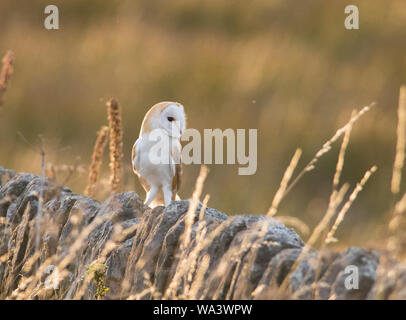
288 68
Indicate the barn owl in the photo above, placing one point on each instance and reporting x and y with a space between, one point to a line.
161 181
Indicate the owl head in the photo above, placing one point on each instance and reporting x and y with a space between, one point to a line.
168 116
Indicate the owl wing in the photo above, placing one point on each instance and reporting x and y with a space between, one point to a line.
136 165
135 158
176 179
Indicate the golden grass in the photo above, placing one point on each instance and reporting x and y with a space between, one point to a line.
396 243
327 147
115 144
190 214
185 238
188 264
336 197
295 223
97 159
341 155
243 83
330 236
28 286
401 143
284 183
190 271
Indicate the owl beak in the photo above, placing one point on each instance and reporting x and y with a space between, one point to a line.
176 129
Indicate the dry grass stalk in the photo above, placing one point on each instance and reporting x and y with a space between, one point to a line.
327 146
340 217
97 159
204 206
317 232
275 202
325 222
194 286
70 170
329 236
341 155
186 235
80 240
60 262
41 193
284 183
401 143
336 182
397 241
295 223
150 290
118 236
193 256
6 72
116 144
202 243
193 204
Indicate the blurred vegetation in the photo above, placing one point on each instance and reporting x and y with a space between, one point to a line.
288 68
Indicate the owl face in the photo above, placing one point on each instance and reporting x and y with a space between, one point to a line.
166 116
172 120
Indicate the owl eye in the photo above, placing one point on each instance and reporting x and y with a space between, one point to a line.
170 119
